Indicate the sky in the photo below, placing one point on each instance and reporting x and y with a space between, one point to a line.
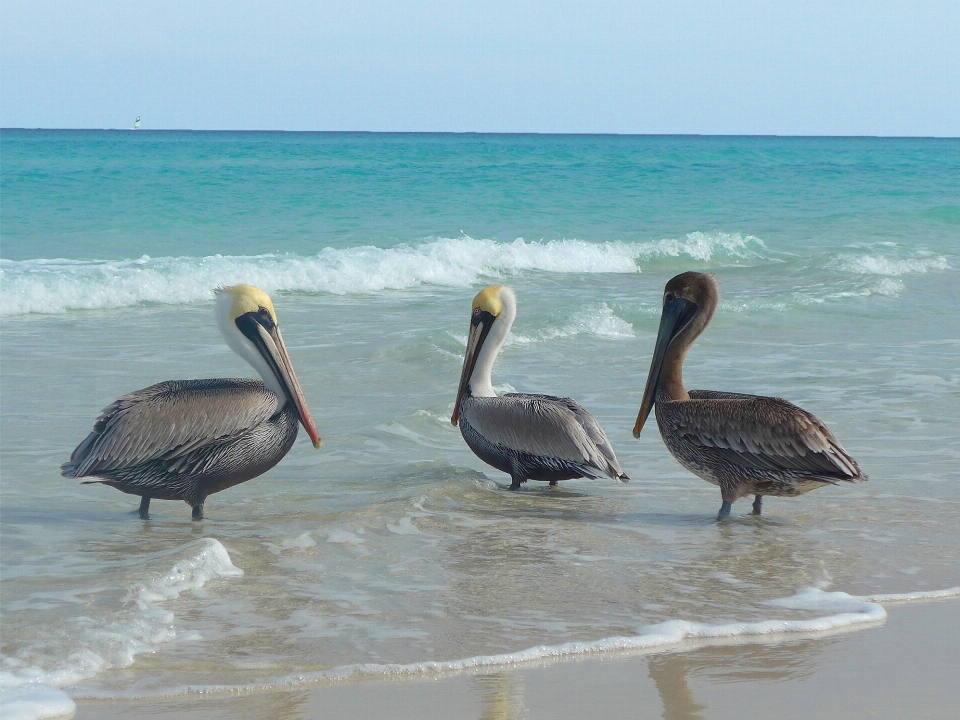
742 67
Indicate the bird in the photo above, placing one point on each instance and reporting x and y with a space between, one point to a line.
187 439
746 444
530 437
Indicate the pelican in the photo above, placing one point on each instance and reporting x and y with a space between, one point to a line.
187 439
531 437
746 444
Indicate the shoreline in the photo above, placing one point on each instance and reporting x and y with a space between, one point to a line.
900 668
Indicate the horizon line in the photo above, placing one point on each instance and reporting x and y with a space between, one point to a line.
491 133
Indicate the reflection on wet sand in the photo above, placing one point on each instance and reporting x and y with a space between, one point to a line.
672 671
501 695
669 674
793 660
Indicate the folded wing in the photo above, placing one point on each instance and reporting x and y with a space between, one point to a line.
762 433
169 420
545 426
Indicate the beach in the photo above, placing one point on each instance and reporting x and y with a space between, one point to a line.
392 568
903 668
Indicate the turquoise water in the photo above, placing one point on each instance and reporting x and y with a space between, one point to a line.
115 195
394 544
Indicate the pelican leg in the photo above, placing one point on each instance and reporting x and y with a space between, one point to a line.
198 511
724 510
144 507
757 501
553 483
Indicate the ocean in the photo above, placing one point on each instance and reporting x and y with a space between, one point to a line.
394 551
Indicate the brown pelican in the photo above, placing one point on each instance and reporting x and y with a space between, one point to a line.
746 444
186 439
531 437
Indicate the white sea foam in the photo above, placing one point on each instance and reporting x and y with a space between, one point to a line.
34 702
892 267
56 286
300 542
883 286
920 596
31 691
598 320
843 612
705 247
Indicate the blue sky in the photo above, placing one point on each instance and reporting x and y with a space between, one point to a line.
677 66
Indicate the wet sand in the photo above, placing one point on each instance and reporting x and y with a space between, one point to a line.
906 668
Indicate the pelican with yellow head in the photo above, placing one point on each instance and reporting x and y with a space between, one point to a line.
530 437
187 439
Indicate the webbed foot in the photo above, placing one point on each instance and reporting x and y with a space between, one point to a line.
198 512
724 511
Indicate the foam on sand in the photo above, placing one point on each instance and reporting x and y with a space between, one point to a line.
842 612
28 691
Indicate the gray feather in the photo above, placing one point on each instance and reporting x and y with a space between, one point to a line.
168 420
545 427
186 439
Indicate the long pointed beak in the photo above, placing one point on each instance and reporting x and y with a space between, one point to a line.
478 333
276 354
676 314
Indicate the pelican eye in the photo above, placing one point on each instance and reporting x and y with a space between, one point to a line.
669 298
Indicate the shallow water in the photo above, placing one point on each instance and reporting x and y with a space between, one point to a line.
394 545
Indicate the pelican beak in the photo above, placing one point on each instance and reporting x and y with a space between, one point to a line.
675 317
290 383
269 342
480 325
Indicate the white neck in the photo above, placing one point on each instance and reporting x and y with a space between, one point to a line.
480 380
239 343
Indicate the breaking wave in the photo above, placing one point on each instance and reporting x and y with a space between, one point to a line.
57 286
28 690
892 267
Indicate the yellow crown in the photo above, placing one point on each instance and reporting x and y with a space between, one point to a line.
247 298
489 300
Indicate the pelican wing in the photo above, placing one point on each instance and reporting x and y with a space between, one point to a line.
596 434
540 425
763 433
169 420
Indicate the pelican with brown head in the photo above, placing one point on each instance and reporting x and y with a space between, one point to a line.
745 444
